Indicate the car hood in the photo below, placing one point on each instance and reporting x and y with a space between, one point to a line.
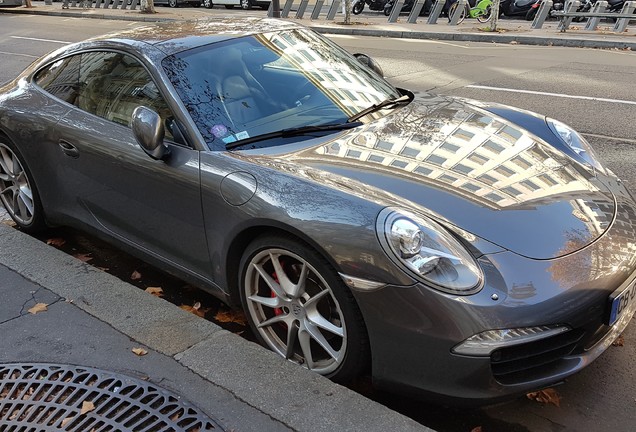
473 169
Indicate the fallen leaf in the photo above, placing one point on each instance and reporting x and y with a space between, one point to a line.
66 421
85 257
104 269
57 242
514 43
548 395
140 351
195 309
87 406
135 275
476 429
155 291
233 316
9 222
619 342
40 307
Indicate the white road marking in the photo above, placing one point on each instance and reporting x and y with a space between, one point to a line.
561 95
18 54
41 40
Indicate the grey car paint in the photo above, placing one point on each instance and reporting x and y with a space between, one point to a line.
550 255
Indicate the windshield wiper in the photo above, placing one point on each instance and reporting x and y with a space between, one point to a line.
384 104
286 133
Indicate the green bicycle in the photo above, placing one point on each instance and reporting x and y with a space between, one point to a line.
481 11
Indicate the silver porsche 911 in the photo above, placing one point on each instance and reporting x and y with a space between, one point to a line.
454 248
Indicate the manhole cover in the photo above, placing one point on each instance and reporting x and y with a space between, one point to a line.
46 397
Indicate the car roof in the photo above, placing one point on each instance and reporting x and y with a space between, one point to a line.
173 37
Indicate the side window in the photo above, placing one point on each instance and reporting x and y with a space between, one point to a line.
113 85
61 79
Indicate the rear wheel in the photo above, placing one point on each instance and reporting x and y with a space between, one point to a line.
299 307
172 3
208 4
485 17
18 192
246 4
358 7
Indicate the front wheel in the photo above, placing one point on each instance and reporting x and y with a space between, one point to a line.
18 192
531 14
462 16
358 7
246 4
299 307
172 3
208 4
485 17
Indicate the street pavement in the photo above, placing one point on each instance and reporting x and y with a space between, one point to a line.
376 24
94 319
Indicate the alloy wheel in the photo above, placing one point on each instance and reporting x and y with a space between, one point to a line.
246 4
16 192
294 310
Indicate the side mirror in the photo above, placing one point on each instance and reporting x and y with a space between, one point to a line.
370 63
148 130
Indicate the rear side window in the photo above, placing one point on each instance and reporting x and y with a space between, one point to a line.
61 79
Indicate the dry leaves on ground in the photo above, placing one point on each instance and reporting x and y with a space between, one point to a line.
232 315
85 257
40 307
476 429
66 421
57 242
548 395
87 406
619 342
195 309
155 291
9 222
139 351
135 275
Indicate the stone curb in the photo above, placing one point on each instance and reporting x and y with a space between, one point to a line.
299 399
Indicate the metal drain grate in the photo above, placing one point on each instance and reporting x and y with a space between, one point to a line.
47 397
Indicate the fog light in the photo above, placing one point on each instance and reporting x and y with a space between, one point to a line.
484 343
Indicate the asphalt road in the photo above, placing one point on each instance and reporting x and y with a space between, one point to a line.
592 90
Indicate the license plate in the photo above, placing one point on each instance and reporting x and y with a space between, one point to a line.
622 303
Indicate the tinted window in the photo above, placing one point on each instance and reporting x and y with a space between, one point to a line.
114 84
61 79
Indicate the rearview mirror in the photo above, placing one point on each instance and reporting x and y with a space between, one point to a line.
149 133
370 63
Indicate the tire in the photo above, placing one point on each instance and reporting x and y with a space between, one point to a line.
208 4
18 192
486 16
319 316
451 11
172 3
358 7
531 14
246 4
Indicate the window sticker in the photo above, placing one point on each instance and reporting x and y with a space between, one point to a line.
219 130
242 135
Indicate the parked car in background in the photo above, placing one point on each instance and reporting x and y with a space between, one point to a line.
243 4
177 3
10 3
452 248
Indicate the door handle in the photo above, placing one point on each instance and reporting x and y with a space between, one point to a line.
69 149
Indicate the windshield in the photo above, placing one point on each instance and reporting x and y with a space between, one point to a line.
263 83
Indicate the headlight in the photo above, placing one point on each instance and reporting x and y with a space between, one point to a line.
426 250
576 142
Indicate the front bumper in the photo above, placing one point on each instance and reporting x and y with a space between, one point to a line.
414 329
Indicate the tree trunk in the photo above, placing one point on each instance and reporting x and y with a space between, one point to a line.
347 19
27 3
494 15
147 6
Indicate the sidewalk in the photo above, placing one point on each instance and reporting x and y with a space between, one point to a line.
375 24
95 320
